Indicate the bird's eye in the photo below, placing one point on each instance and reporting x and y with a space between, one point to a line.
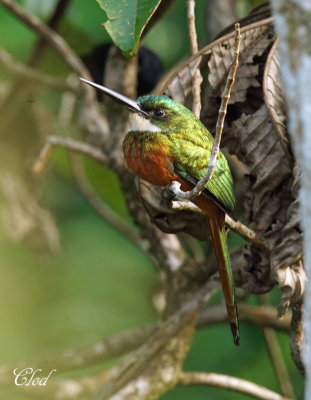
159 112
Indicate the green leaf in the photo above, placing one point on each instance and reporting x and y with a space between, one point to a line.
126 21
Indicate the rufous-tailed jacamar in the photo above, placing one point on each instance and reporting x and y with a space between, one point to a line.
167 143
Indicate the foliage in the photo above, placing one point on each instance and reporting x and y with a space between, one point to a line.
126 21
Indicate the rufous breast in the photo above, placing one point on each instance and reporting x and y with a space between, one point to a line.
152 163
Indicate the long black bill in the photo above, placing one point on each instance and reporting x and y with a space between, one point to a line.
119 98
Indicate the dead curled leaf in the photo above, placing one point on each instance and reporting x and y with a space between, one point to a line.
255 131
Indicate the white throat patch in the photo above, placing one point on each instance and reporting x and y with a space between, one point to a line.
141 124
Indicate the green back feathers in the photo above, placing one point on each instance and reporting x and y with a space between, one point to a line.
192 152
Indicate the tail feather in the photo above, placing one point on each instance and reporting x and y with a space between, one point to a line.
224 266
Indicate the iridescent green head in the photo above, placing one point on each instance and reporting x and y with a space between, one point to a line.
164 114
153 113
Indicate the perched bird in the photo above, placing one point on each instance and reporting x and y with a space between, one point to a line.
167 143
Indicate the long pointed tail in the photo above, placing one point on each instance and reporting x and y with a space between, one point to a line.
224 266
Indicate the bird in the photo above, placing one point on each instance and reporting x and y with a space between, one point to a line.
167 142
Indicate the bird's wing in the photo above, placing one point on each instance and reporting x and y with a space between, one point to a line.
191 162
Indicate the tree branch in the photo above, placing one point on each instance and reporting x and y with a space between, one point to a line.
229 383
121 343
237 226
248 234
100 351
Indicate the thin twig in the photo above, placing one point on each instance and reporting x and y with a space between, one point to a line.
229 383
276 355
70 144
196 191
191 26
197 77
29 73
101 208
248 234
237 226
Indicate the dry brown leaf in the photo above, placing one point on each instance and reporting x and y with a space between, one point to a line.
179 84
291 280
255 132
254 42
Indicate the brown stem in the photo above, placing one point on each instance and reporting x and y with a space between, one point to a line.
248 234
197 77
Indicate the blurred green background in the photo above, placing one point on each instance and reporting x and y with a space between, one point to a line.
67 300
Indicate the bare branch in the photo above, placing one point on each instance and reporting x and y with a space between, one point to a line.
80 147
197 190
248 234
191 26
197 77
24 71
230 383
119 344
